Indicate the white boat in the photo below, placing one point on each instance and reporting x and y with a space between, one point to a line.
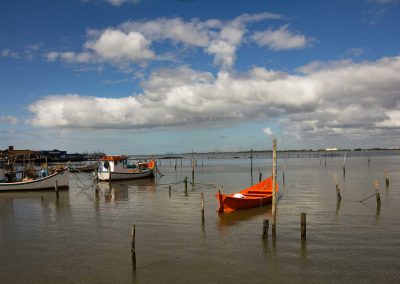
117 168
48 182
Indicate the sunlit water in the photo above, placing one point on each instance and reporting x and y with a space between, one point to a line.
87 239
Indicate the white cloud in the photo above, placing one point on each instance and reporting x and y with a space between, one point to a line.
8 119
131 42
267 131
347 100
10 54
117 45
121 2
281 39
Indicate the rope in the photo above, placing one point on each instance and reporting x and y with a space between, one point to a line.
75 169
367 197
81 184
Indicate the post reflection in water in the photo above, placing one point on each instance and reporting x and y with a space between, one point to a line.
119 190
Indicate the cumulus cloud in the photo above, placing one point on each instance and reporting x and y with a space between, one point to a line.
281 39
132 41
8 119
267 131
353 99
117 45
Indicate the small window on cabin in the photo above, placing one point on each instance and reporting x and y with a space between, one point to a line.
106 164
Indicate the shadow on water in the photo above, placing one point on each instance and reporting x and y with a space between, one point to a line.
236 217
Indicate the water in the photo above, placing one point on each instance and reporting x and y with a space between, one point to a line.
84 239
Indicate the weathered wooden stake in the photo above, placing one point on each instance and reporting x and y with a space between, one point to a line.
260 177
283 174
344 165
387 178
369 161
274 188
338 195
175 163
185 181
56 189
265 228
303 226
193 170
133 247
42 199
378 197
169 190
202 206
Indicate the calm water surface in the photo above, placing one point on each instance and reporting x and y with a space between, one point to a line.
86 239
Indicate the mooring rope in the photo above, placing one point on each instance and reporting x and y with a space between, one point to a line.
81 184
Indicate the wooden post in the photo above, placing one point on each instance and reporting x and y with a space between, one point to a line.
378 197
344 165
283 174
260 177
56 189
303 225
185 181
133 248
265 228
175 164
202 207
338 195
169 190
221 203
387 179
193 170
274 188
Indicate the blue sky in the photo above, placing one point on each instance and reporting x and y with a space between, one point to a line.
147 77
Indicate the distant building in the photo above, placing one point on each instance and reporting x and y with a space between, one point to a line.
54 155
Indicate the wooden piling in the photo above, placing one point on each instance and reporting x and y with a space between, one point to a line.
202 207
387 179
265 228
175 163
193 171
169 190
303 226
338 195
56 189
274 188
344 165
260 177
133 247
185 181
283 174
378 197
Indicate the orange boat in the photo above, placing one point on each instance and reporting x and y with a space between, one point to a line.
254 196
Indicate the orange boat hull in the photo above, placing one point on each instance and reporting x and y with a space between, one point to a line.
254 196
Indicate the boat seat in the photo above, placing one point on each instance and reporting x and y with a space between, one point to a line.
255 195
259 191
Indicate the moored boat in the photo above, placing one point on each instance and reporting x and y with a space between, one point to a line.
83 168
254 196
41 183
117 168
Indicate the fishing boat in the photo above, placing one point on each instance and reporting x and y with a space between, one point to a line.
61 177
18 172
254 196
83 168
117 168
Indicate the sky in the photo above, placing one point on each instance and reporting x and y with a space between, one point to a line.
176 76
